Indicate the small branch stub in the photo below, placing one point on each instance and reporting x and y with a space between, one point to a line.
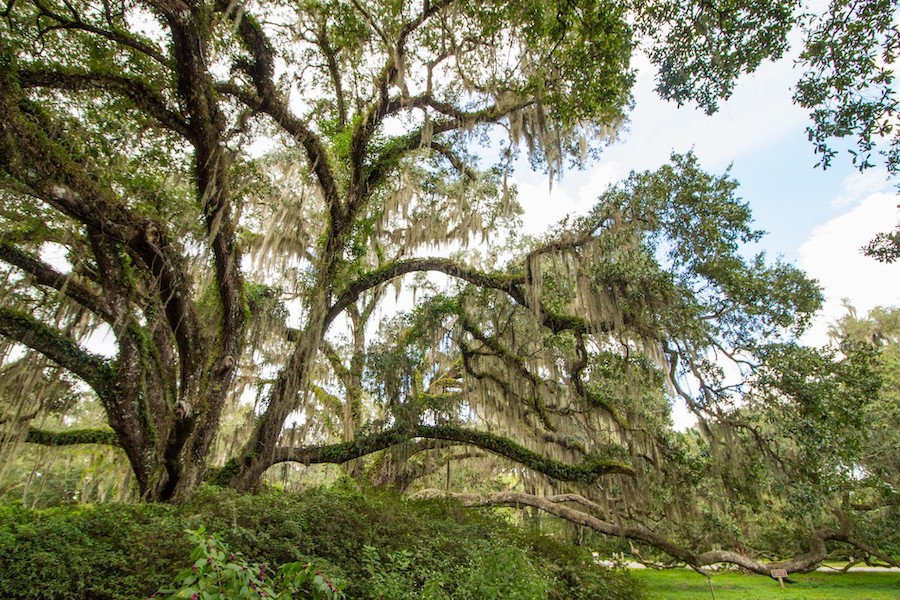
226 363
182 410
152 235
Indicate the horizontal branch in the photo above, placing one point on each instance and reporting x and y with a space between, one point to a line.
96 371
71 437
554 505
587 471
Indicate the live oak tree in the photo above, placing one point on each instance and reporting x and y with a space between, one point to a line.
231 185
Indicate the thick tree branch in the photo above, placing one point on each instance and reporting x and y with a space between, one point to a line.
71 437
509 284
505 283
188 24
144 98
552 505
58 347
46 275
340 370
55 173
588 471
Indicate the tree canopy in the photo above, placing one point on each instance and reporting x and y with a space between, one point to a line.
224 192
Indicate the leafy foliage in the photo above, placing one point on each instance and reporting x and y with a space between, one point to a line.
366 543
226 191
219 573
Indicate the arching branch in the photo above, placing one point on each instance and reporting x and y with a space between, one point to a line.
509 284
144 98
505 283
58 347
554 505
46 275
588 471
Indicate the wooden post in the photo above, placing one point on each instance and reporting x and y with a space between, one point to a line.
780 575
711 590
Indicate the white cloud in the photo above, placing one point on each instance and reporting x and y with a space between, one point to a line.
832 255
544 206
759 113
858 186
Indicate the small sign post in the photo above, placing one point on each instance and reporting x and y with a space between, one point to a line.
780 575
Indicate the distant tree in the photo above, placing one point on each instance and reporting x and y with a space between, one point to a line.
227 186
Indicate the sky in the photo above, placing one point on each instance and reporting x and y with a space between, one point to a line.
815 219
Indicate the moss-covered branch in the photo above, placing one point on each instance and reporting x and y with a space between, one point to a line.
36 151
46 275
71 437
587 471
143 98
58 347
506 283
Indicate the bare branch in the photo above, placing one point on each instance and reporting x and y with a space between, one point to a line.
553 505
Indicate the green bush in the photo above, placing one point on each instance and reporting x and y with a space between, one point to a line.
500 572
217 573
373 543
88 551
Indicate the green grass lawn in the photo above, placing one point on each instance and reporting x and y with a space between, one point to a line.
683 584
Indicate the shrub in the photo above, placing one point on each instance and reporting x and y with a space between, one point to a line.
372 543
88 551
217 573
